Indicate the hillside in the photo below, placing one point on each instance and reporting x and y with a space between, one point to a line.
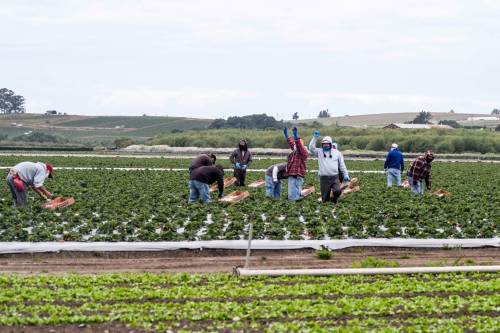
96 129
383 119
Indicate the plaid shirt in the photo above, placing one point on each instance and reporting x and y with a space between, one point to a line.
296 165
420 170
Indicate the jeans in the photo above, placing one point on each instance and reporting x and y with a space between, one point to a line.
416 189
198 190
20 197
328 185
295 187
273 190
393 174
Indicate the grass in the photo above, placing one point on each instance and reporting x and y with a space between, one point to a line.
324 254
372 262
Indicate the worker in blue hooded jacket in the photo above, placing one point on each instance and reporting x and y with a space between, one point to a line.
394 165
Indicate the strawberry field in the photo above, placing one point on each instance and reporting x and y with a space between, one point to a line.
467 302
151 205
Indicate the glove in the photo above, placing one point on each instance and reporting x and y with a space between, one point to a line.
347 179
275 180
415 182
295 133
237 165
316 134
244 166
49 195
285 132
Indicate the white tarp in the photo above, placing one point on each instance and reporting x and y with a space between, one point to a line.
179 169
28 247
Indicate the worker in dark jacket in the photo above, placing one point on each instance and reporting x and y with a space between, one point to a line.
200 180
420 170
274 175
394 165
202 160
241 159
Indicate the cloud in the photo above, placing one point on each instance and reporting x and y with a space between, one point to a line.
320 99
160 98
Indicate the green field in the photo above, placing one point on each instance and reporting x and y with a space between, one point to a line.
222 303
146 205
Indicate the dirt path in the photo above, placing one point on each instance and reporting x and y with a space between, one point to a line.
212 261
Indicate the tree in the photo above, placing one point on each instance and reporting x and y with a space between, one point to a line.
495 112
422 118
217 123
295 116
324 114
451 123
11 103
124 142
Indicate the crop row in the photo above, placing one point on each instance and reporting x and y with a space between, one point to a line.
220 280
147 205
257 304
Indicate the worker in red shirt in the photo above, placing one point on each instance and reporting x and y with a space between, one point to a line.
296 166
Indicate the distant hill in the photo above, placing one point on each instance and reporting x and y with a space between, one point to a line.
383 119
99 128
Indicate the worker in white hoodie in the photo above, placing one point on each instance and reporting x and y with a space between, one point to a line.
332 169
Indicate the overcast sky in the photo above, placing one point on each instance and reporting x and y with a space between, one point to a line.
214 58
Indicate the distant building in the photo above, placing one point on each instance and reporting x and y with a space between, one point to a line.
416 126
407 126
483 118
51 113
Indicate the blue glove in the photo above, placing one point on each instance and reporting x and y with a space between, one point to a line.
237 165
295 133
244 166
316 134
285 132
347 179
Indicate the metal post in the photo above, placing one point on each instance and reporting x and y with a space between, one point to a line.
249 248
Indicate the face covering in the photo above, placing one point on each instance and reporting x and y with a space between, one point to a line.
327 148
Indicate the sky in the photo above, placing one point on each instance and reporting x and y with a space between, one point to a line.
215 58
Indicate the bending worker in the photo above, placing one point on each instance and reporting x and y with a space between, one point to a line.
332 169
274 175
296 167
29 174
202 160
420 169
200 180
241 158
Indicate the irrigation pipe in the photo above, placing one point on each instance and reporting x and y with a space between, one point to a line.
364 271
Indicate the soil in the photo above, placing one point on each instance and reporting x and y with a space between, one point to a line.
216 261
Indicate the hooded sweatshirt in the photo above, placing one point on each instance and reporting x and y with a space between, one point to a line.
328 166
201 160
242 156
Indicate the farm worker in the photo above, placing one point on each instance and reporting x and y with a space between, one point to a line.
420 169
29 174
202 160
201 178
274 175
296 165
394 165
332 169
241 158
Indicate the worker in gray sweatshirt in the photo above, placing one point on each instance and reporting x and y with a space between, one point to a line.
332 169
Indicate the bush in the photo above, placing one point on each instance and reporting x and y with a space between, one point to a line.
123 142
